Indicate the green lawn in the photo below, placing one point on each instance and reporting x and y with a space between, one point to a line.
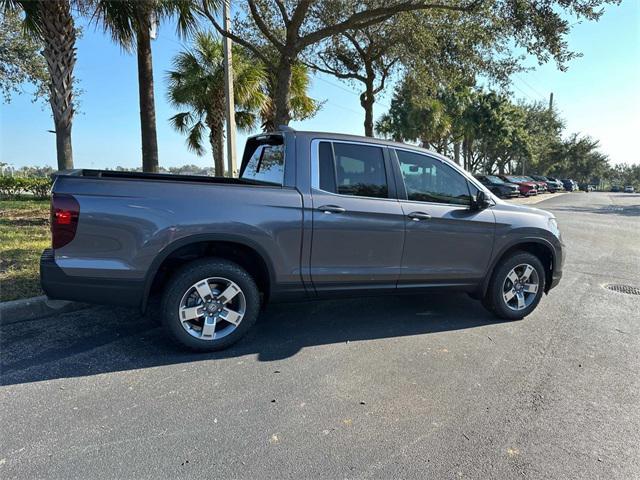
24 233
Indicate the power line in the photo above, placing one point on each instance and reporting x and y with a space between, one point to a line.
524 93
537 92
342 107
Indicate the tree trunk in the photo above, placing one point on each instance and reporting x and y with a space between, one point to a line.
216 139
367 99
282 99
147 102
60 53
456 152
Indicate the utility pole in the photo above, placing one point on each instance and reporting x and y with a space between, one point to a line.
230 109
551 101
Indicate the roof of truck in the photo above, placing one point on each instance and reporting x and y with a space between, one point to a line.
352 138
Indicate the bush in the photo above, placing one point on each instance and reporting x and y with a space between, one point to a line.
38 186
13 187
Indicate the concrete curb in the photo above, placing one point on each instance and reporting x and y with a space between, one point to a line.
36 307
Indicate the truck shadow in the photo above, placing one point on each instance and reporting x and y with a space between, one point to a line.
105 339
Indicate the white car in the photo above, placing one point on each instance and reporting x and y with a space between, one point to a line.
629 189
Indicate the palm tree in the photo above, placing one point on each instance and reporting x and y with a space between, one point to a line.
51 21
129 22
197 82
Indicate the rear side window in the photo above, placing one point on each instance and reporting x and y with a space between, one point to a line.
352 169
266 165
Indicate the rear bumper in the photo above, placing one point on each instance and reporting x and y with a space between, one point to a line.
57 285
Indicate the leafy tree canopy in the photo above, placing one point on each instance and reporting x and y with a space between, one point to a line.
20 61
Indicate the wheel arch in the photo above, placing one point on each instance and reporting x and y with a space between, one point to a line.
539 247
241 250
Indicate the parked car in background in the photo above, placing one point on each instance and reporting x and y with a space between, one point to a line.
569 185
542 186
586 187
526 188
552 186
311 215
558 183
629 189
498 186
616 188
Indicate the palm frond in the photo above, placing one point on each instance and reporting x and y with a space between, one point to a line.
194 139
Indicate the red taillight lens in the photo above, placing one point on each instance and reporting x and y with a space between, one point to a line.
64 219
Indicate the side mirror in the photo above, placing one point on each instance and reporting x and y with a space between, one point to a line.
479 201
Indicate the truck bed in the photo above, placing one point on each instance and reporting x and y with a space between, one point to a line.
141 176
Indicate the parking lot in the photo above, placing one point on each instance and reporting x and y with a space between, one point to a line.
389 387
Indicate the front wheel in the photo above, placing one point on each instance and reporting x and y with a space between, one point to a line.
516 286
210 304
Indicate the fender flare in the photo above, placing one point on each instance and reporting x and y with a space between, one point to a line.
200 238
509 246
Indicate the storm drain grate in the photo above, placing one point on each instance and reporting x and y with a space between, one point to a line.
628 289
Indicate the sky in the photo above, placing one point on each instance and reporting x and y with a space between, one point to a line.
599 96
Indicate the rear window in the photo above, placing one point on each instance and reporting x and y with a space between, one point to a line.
266 165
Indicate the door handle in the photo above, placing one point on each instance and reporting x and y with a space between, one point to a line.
332 209
417 216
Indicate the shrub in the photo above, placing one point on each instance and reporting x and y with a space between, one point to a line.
12 187
40 187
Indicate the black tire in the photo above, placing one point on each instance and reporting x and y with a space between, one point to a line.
182 281
494 300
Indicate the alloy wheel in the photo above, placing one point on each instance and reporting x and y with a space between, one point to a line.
520 287
212 308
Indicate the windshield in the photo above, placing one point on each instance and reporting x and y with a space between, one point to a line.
494 179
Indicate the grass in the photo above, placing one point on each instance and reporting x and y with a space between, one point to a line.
24 234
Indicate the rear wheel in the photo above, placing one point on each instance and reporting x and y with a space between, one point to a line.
516 286
210 304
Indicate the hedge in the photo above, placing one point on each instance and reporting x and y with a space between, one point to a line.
13 187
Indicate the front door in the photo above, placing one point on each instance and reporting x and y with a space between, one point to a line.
446 242
358 225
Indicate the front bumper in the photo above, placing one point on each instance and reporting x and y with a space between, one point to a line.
556 273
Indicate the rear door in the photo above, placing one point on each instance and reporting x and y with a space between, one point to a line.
446 242
358 223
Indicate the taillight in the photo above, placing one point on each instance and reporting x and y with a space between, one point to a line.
64 219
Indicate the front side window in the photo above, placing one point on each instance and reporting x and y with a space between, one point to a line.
429 180
352 169
266 165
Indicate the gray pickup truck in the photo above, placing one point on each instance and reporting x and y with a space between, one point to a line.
311 215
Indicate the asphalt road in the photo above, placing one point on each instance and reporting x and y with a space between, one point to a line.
396 387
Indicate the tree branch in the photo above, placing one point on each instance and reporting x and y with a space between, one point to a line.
385 75
356 45
297 18
283 11
255 13
333 72
235 38
375 15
